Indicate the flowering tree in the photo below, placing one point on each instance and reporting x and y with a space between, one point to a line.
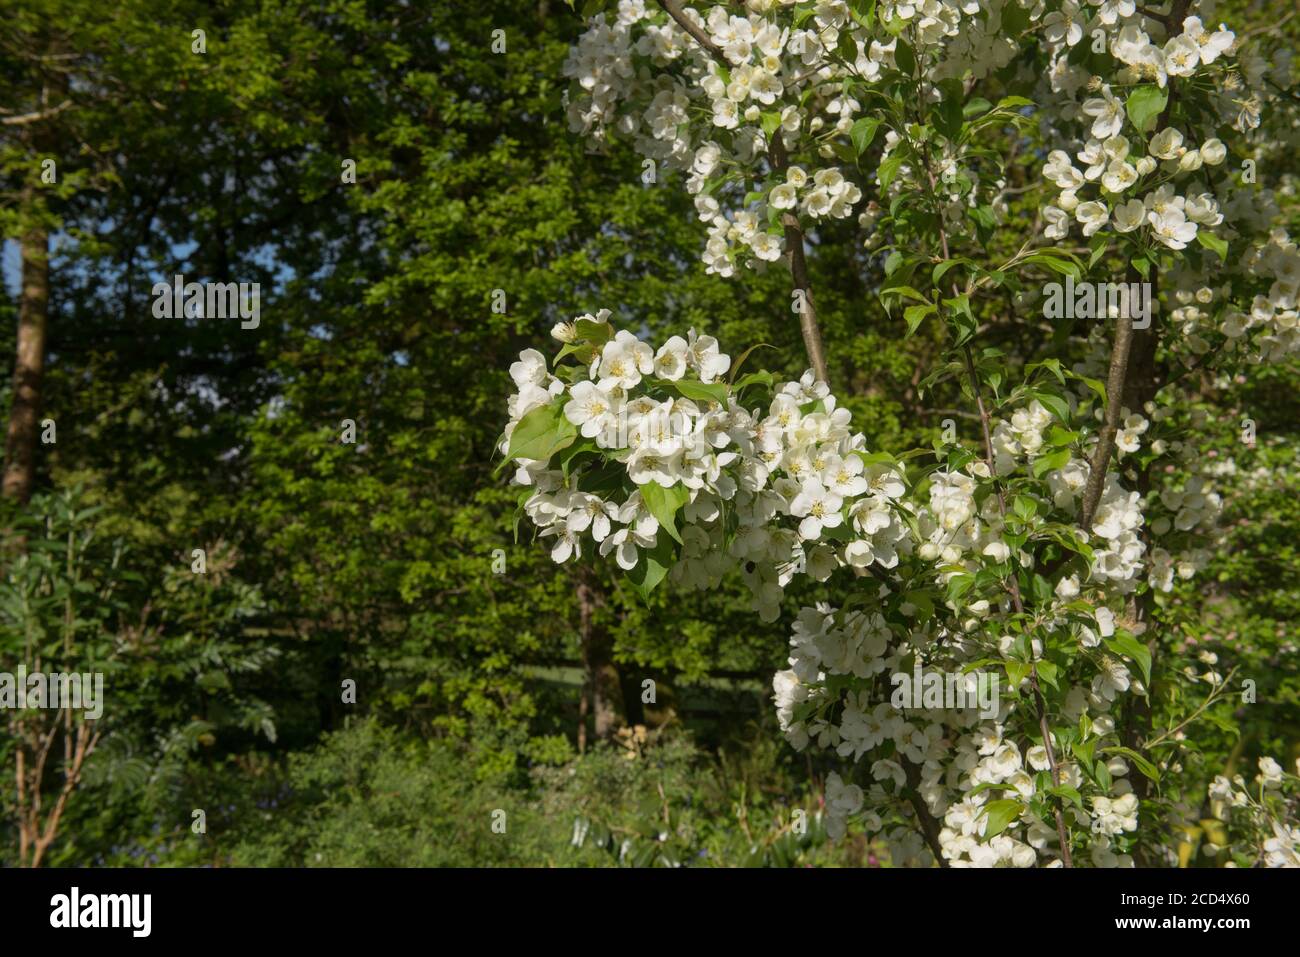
1006 162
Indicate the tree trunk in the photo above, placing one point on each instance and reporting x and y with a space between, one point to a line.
601 685
29 367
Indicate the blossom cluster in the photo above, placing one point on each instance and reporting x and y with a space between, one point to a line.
801 73
1258 815
832 695
956 759
1110 161
785 488
685 110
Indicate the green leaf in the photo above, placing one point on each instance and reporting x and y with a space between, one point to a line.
907 291
987 786
1143 765
808 408
1096 385
1098 247
1144 106
1057 264
585 352
923 603
645 856
889 169
1041 589
905 58
958 586
699 391
1065 791
985 222
999 815
963 320
864 12
1017 672
1053 366
915 315
664 504
754 378
1053 403
735 366
1015 19
1102 774
960 306
1050 463
1124 644
948 117
579 447
652 566
607 480
847 49
863 132
1213 243
596 333
540 434
941 269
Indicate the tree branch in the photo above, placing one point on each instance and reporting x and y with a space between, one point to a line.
929 826
674 9
1115 381
25 118
812 334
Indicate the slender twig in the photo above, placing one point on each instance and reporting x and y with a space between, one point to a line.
1266 28
1215 693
